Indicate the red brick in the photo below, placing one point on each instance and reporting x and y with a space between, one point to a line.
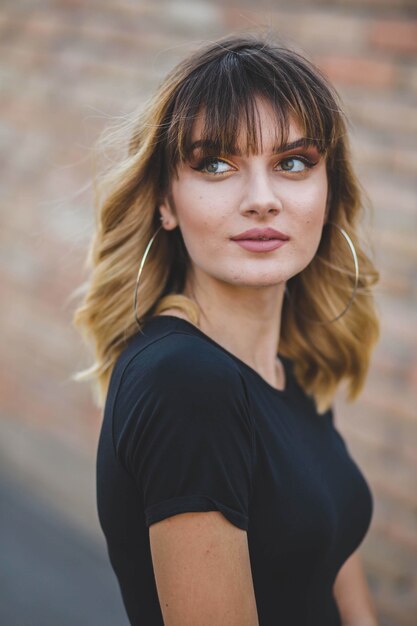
398 159
358 71
345 30
387 114
394 36
42 25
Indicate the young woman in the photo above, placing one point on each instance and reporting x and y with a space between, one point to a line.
226 494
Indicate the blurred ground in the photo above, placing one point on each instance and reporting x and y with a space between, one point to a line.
54 568
51 572
66 67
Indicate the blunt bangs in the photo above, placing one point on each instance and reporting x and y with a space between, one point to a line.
224 91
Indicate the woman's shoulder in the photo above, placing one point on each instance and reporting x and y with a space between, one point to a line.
168 351
170 368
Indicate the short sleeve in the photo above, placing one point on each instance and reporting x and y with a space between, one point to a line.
182 429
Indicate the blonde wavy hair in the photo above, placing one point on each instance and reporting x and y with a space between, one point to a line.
223 79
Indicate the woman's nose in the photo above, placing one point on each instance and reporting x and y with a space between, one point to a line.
259 196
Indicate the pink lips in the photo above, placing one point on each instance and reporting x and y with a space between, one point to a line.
255 245
261 233
261 239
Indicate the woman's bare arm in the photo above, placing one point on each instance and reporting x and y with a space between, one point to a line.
202 571
353 596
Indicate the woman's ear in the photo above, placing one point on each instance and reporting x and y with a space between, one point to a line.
167 212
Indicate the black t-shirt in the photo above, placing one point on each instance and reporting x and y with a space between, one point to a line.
188 426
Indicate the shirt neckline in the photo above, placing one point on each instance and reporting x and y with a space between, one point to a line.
286 361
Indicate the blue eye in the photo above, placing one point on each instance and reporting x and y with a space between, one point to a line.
292 160
210 165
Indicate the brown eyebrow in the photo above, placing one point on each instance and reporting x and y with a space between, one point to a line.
303 142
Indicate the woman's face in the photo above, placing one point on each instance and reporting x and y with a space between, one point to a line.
223 196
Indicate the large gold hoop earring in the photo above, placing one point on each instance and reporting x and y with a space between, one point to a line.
352 297
142 263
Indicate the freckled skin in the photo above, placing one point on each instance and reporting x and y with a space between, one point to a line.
211 208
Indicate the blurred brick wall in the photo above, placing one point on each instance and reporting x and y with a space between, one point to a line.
65 66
